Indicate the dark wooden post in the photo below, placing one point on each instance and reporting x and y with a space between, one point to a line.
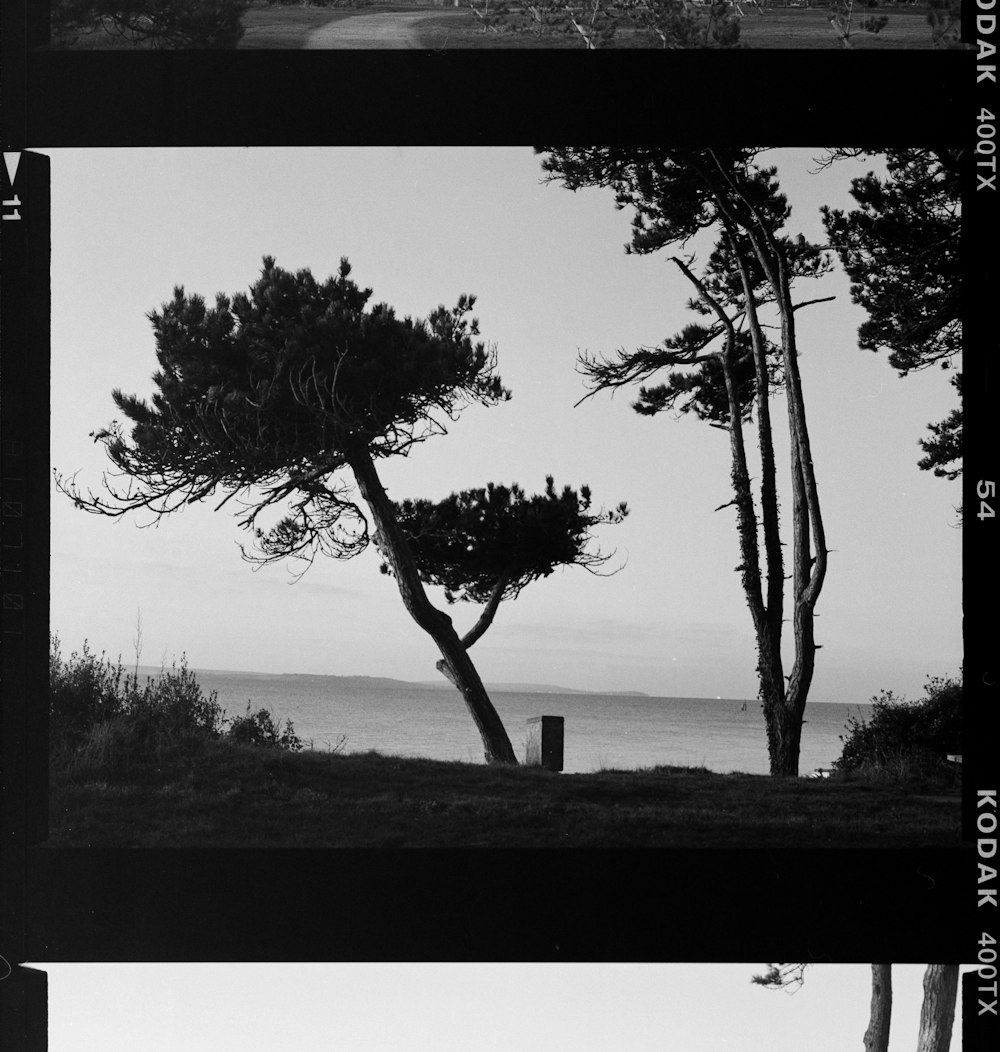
545 742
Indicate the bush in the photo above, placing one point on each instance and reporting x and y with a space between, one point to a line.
173 706
100 718
259 728
906 736
82 692
184 24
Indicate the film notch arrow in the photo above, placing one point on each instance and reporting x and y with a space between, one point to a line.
11 161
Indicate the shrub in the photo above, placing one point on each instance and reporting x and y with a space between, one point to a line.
83 691
906 736
174 708
160 23
101 719
259 728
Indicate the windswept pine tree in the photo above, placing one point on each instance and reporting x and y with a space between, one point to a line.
268 397
723 368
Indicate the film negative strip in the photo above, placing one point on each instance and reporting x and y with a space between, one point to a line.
838 904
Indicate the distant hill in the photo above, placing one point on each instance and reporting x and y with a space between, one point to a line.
443 684
539 688
403 684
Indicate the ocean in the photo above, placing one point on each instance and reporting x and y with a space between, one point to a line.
601 730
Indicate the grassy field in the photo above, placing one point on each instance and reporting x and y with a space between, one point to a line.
267 26
233 795
287 27
805 28
792 29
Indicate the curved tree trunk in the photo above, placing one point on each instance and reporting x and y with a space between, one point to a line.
457 663
937 1014
479 628
877 1034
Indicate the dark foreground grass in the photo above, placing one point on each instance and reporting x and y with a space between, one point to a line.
232 795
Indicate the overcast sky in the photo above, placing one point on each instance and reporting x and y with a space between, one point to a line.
458 1007
421 226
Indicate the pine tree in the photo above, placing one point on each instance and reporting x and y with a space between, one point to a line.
727 369
269 396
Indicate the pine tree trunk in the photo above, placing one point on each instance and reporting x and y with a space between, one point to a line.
937 1014
784 736
782 718
808 535
877 1034
783 741
458 665
783 705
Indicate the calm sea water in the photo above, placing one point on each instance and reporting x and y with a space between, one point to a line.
601 730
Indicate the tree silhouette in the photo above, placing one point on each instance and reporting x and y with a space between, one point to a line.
268 396
724 369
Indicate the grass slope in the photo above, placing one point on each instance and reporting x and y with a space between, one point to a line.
232 795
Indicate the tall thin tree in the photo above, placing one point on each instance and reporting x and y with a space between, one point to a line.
729 368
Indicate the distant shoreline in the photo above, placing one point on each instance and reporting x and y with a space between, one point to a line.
499 688
404 684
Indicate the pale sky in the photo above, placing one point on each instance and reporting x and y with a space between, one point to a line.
421 226
459 1007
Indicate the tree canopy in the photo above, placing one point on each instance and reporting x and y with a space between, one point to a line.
479 540
901 248
671 203
275 390
486 545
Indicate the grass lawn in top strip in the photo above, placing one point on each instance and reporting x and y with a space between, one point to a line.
789 28
288 27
